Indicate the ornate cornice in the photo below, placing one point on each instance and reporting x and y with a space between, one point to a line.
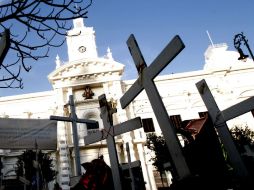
86 71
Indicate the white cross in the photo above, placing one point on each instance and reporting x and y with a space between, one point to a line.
4 45
108 133
74 120
219 119
145 81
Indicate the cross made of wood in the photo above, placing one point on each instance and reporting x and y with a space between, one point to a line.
74 120
4 45
109 132
219 119
145 81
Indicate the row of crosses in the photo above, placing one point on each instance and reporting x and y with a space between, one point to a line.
109 132
145 82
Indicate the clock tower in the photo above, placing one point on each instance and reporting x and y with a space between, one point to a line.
81 41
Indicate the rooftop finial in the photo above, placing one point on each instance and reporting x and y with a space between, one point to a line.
109 54
58 62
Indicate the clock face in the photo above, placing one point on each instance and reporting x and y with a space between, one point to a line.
82 49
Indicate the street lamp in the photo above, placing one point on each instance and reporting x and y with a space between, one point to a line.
238 39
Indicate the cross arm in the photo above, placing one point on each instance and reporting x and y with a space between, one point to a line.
238 109
174 47
227 114
132 92
136 53
133 164
114 130
68 119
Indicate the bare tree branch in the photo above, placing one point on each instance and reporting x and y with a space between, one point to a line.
35 26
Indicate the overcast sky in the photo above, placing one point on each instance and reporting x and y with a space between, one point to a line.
154 23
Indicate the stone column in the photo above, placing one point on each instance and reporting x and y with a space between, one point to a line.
64 166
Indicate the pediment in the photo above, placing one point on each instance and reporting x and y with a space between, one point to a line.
86 69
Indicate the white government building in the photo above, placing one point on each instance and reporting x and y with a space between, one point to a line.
230 81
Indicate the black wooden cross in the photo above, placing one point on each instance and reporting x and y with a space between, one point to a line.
219 119
74 120
108 133
145 81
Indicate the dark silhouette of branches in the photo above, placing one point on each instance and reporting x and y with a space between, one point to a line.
35 26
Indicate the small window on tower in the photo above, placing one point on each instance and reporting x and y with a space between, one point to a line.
148 125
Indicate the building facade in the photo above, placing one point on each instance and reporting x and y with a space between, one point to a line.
87 76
